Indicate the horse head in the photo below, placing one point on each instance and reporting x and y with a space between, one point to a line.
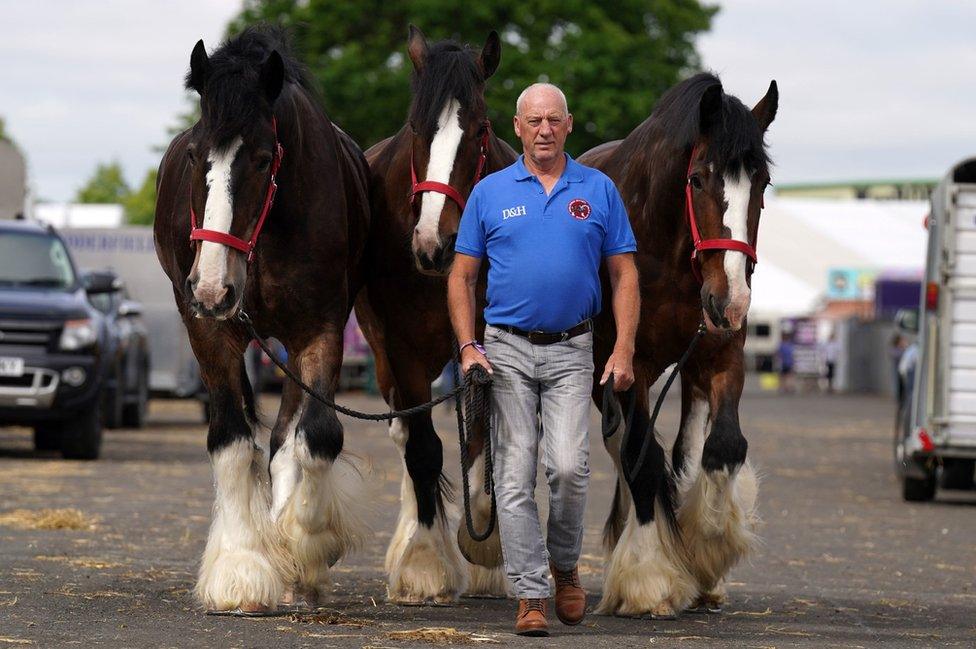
233 153
727 175
449 134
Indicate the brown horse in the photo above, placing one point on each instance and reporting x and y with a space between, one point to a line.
675 531
403 311
261 128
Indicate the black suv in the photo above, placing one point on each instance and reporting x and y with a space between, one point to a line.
73 355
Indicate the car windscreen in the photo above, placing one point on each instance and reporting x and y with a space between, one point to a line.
36 260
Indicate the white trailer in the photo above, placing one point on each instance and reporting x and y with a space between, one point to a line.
937 433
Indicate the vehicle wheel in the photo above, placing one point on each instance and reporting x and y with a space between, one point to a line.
957 474
82 438
134 414
114 399
47 436
918 490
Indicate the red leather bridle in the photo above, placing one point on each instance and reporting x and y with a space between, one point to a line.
441 188
226 239
708 244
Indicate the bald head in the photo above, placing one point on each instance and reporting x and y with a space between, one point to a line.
544 92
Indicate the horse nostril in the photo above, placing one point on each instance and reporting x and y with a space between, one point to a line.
230 294
190 286
425 261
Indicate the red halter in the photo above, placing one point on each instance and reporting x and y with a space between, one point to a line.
226 239
708 244
442 188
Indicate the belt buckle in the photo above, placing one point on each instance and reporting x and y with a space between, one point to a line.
564 336
533 336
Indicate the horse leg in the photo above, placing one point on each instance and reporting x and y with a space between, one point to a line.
423 560
645 574
318 521
486 574
717 486
620 507
240 568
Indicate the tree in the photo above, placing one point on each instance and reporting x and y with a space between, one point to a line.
107 185
140 205
613 60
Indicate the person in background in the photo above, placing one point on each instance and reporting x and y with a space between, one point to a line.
785 357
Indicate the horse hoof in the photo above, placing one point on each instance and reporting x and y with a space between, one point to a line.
298 598
707 604
249 609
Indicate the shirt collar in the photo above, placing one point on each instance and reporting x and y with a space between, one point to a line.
572 173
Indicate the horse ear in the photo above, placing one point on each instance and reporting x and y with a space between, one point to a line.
272 76
491 54
199 68
765 110
417 48
710 109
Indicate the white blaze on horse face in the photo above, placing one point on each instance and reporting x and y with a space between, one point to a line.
218 215
738 189
443 153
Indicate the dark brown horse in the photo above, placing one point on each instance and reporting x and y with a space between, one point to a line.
675 531
260 124
403 310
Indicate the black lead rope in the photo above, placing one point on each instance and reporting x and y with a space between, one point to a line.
614 412
477 409
246 321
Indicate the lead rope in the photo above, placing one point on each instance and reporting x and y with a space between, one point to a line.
611 423
477 408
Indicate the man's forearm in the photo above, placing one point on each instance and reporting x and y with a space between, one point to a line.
461 304
626 309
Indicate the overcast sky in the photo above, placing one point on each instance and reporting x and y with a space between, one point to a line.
868 89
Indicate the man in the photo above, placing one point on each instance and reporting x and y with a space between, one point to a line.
545 224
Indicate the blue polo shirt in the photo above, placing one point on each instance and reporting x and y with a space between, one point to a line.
544 252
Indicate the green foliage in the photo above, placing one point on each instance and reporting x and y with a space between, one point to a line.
140 205
4 136
107 185
613 60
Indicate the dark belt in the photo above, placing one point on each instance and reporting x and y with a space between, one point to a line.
544 338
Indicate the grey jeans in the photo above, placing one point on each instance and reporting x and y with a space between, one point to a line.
539 392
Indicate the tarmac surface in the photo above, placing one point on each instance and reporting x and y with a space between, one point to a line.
844 562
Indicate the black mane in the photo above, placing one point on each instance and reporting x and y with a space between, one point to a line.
450 71
232 99
735 140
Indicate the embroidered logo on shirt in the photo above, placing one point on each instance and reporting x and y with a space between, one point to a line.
512 212
580 209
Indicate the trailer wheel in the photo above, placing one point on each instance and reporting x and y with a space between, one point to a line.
957 474
918 489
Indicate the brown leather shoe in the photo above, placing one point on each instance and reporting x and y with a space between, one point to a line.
570 596
531 619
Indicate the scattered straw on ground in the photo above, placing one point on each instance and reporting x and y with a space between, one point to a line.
441 635
4 640
81 562
47 519
329 618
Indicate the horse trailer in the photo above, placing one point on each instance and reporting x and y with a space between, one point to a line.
935 440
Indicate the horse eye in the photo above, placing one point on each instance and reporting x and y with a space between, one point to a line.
264 164
696 182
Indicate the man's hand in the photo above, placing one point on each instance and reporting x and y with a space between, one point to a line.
621 365
471 357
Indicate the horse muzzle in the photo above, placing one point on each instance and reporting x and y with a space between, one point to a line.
435 260
723 314
213 301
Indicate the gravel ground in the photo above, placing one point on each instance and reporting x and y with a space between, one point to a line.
844 562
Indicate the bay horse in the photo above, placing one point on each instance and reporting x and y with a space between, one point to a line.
675 531
262 128
420 179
